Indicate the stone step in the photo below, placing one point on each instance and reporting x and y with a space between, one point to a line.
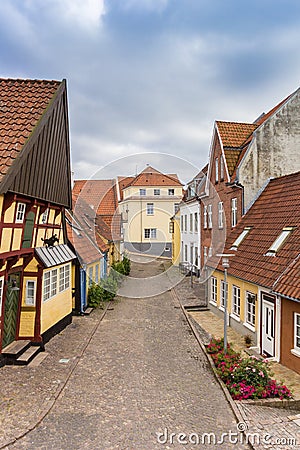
28 355
88 311
16 348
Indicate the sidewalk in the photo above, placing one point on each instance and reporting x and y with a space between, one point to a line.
278 427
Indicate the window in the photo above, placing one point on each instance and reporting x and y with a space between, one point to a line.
205 253
205 217
150 233
223 287
196 257
220 214
142 191
156 191
150 209
50 284
210 252
185 253
171 227
181 222
279 241
185 222
217 169
192 254
250 308
240 239
236 300
90 276
209 212
176 207
297 332
214 290
97 273
191 223
64 277
30 293
21 208
221 168
196 222
171 191
233 212
45 216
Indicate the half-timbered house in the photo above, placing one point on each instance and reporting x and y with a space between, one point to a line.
35 189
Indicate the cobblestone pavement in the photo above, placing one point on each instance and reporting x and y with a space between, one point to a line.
267 427
138 372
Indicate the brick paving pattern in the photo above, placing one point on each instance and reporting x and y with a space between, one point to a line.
137 372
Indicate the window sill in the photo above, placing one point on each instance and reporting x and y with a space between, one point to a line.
213 303
295 352
249 326
235 317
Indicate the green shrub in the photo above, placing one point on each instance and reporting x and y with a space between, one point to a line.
94 295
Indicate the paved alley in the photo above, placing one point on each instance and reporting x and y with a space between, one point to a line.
140 377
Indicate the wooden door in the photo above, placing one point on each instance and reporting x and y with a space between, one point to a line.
268 328
11 309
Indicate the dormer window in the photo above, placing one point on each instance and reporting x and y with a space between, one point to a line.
277 244
240 239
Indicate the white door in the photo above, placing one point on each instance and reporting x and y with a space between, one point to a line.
268 328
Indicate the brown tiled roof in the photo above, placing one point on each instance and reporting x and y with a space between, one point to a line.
123 182
84 244
99 194
277 207
22 104
234 134
288 284
232 156
152 177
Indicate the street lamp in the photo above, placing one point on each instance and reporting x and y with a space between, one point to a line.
225 264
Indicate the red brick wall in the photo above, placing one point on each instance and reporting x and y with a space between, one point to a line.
288 308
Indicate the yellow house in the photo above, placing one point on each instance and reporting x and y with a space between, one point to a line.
176 238
35 262
147 202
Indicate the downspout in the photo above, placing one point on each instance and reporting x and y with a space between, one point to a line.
38 307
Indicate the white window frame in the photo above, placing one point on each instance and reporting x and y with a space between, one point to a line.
214 290
217 169
233 212
50 284
240 238
181 223
97 271
64 278
278 243
156 191
150 209
236 300
20 214
196 222
171 191
209 214
185 223
191 222
250 310
185 252
297 333
220 215
205 217
30 293
142 192
45 216
150 233
223 287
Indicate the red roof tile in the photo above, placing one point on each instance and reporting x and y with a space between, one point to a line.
99 194
277 207
152 177
234 134
22 103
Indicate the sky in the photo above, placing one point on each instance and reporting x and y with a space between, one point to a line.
147 78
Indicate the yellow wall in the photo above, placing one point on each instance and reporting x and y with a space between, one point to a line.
56 308
176 240
135 191
10 214
244 287
6 239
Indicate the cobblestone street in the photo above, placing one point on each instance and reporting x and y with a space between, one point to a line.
138 372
